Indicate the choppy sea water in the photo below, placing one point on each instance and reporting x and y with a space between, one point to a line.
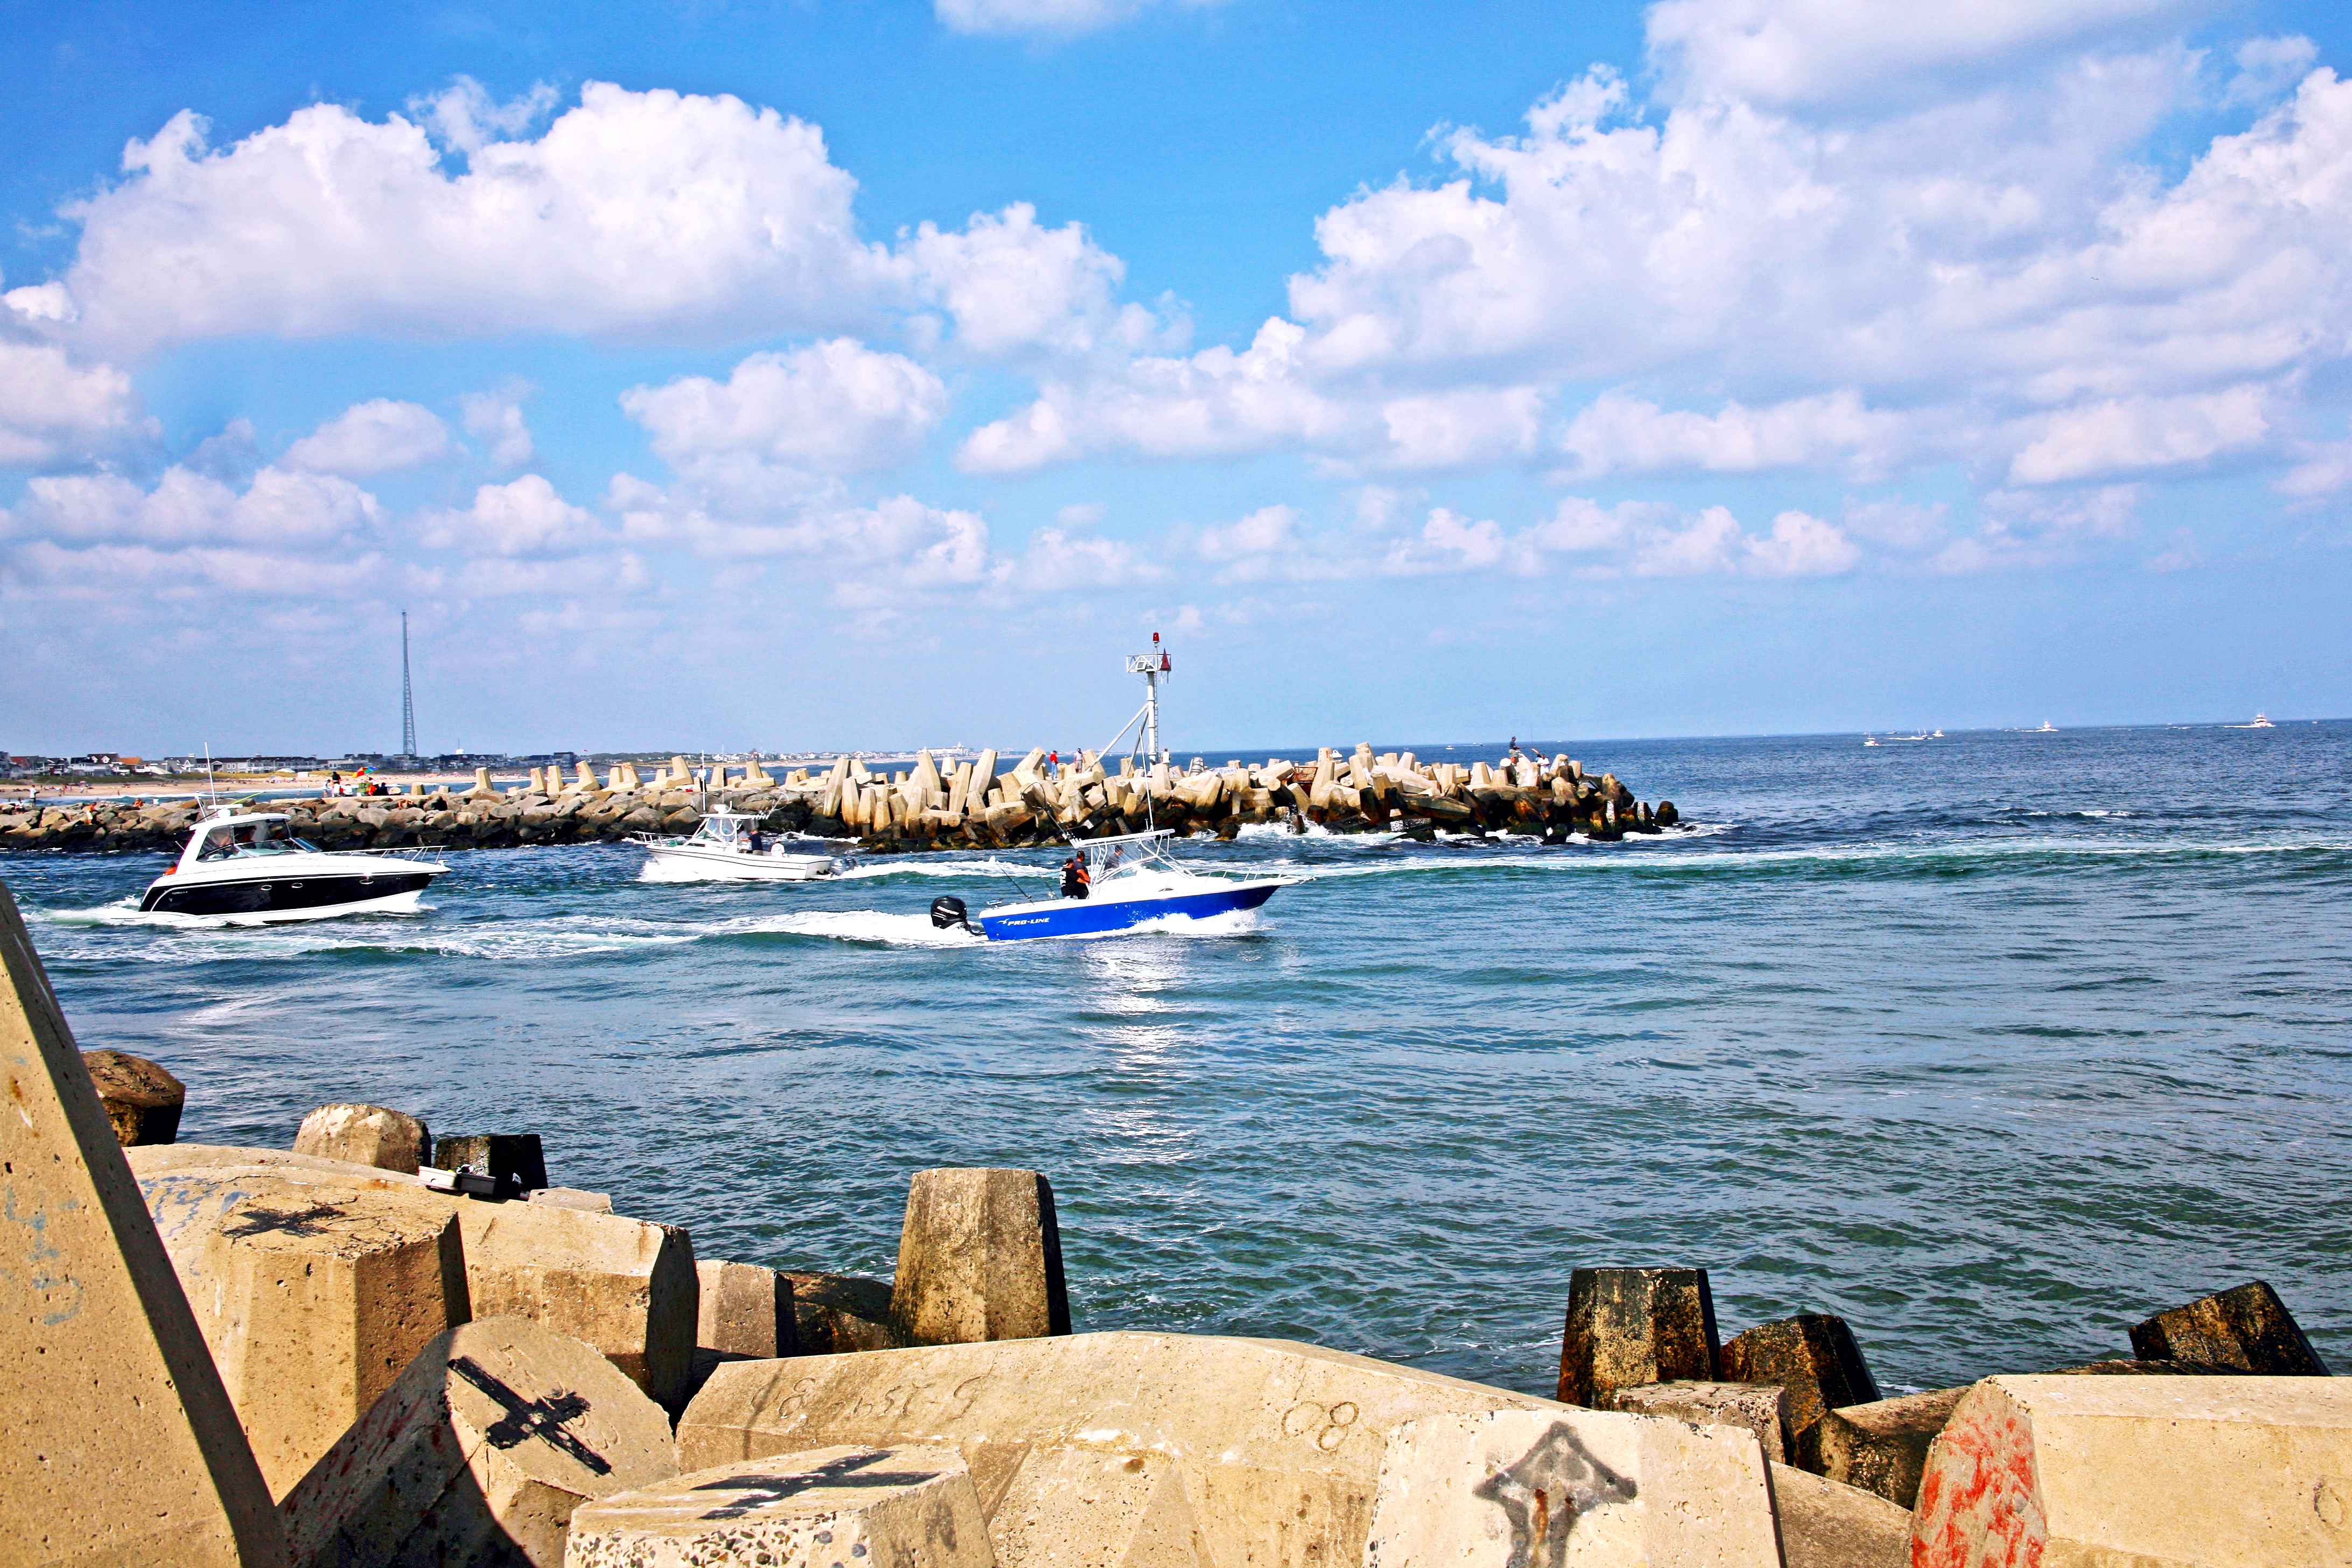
1993 1045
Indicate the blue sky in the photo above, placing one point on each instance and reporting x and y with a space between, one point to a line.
824 374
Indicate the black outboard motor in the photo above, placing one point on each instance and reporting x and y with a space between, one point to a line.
948 910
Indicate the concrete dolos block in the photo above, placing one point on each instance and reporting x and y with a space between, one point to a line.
313 1299
121 1446
2247 1327
623 1285
1827 1525
980 1257
2219 1471
911 1507
366 1135
1576 1489
142 1101
1760 1409
1881 1446
1184 1450
1812 1355
1632 1326
478 1453
833 1314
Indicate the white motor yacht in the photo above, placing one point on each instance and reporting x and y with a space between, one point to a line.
728 845
247 867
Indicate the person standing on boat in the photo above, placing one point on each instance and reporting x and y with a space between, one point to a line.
1074 876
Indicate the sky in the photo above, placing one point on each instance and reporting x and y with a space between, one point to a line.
880 373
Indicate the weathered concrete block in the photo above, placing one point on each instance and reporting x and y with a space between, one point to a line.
1084 1448
980 1257
1759 1408
1828 1524
625 1287
914 1506
1632 1326
572 1198
1505 1489
366 1135
745 1310
745 1313
1812 1355
313 1297
2246 1327
835 1314
1881 1446
2225 1471
143 1101
106 1376
478 1453
515 1155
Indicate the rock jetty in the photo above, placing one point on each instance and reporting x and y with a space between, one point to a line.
926 806
247 1358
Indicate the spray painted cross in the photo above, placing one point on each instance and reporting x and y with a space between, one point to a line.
759 1492
526 1420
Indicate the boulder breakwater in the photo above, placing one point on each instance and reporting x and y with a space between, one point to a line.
926 806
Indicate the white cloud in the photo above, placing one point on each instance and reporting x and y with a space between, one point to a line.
1054 562
2136 435
42 302
835 406
277 509
2034 529
636 212
1012 286
1617 434
2326 467
1795 51
632 214
900 540
496 417
1802 546
1048 18
620 572
374 437
113 573
468 118
2268 67
1906 527
53 409
527 517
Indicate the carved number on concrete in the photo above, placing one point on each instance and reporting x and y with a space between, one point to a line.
1327 1425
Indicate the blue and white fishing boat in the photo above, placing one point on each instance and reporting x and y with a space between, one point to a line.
1130 881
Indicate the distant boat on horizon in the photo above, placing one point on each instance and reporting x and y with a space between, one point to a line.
2047 728
2260 723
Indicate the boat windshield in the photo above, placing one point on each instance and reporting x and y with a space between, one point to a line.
1125 857
232 839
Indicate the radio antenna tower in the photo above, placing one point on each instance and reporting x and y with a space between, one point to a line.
408 698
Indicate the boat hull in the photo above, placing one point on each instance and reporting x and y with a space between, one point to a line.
1094 917
275 900
719 865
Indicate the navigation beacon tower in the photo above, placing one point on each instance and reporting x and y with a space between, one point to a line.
1151 667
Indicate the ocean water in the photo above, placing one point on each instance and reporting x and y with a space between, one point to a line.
1992 1044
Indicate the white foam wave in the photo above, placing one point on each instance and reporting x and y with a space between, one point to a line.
865 925
900 868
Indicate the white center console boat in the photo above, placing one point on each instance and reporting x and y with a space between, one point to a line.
728 845
247 867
